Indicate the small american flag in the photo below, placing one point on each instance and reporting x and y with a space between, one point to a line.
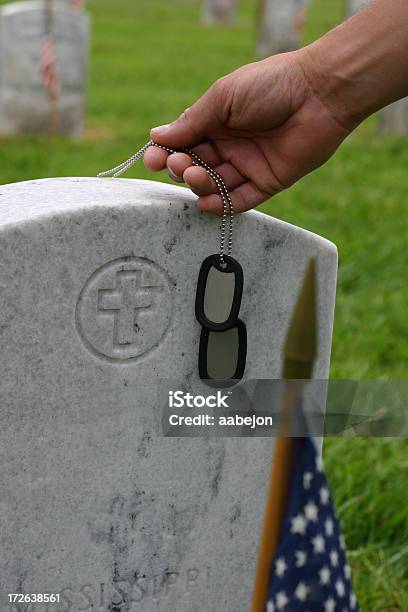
48 68
79 4
310 572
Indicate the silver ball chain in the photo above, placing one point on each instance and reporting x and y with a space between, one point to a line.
228 208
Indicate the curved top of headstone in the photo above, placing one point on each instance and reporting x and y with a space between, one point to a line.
57 195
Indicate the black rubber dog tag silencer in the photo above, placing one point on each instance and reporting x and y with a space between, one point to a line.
222 355
223 340
219 293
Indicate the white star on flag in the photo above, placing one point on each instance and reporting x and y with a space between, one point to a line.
329 605
318 544
301 591
324 496
301 558
281 600
329 527
281 567
299 525
311 511
334 558
340 588
325 574
307 479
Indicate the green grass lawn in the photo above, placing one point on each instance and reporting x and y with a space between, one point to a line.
151 59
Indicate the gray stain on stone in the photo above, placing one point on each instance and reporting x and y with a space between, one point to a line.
216 466
170 244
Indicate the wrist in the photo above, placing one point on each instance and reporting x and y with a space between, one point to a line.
329 81
360 66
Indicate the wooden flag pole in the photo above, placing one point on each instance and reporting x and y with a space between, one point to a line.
299 356
276 506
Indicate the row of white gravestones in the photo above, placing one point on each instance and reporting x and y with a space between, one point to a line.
279 26
97 287
393 118
25 104
218 11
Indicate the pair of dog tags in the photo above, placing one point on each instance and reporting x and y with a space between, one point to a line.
223 341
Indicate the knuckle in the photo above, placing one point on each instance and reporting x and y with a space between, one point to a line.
272 186
220 90
185 115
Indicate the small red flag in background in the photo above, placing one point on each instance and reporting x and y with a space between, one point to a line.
48 68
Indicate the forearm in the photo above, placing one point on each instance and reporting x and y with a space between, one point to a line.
362 65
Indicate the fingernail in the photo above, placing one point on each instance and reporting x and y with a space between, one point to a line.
160 128
174 177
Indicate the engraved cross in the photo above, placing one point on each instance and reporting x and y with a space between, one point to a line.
124 301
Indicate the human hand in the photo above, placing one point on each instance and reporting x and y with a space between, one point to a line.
262 128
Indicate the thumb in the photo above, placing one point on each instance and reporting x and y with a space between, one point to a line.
193 125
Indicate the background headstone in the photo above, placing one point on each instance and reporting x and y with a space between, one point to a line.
394 118
218 11
279 26
97 289
354 5
24 103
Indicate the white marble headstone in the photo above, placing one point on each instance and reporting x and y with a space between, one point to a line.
97 287
354 5
24 102
394 118
277 31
